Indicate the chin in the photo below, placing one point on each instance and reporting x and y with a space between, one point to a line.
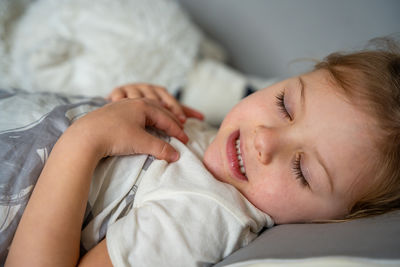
211 164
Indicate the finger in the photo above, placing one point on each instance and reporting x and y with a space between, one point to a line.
172 104
156 147
164 109
150 92
133 92
164 120
192 113
117 94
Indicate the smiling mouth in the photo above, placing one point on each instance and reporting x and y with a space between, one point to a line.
235 157
239 157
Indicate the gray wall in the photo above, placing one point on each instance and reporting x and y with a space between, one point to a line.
263 37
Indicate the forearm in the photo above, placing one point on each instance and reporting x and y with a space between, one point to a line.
49 231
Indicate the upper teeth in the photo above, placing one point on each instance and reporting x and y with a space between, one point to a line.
239 156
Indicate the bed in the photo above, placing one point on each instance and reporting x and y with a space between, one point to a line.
72 47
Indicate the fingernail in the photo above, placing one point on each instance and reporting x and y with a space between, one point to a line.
174 156
182 118
185 138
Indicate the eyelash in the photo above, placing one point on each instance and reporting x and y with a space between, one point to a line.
280 102
296 168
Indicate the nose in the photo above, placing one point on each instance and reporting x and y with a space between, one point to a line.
266 143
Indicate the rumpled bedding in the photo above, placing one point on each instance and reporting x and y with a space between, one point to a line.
30 124
86 48
78 47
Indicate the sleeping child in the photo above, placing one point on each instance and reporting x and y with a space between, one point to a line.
321 146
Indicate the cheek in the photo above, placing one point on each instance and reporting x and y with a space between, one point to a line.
247 107
235 115
281 198
272 191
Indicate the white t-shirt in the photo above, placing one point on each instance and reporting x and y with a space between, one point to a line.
159 214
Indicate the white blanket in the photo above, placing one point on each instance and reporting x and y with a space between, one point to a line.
86 47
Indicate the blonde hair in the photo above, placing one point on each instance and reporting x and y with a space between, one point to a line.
373 76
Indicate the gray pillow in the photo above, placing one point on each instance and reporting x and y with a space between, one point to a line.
376 237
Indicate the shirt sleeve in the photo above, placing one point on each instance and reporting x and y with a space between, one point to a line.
184 231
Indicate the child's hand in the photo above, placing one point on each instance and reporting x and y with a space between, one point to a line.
119 129
156 93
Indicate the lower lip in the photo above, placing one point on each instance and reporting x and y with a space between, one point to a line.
233 161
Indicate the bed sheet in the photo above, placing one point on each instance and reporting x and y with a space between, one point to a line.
30 124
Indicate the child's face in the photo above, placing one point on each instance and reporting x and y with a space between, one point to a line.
322 137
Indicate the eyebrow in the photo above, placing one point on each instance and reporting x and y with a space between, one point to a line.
319 158
302 92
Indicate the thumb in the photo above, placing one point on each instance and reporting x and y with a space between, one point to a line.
157 147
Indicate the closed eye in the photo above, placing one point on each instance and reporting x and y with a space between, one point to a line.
280 102
296 168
